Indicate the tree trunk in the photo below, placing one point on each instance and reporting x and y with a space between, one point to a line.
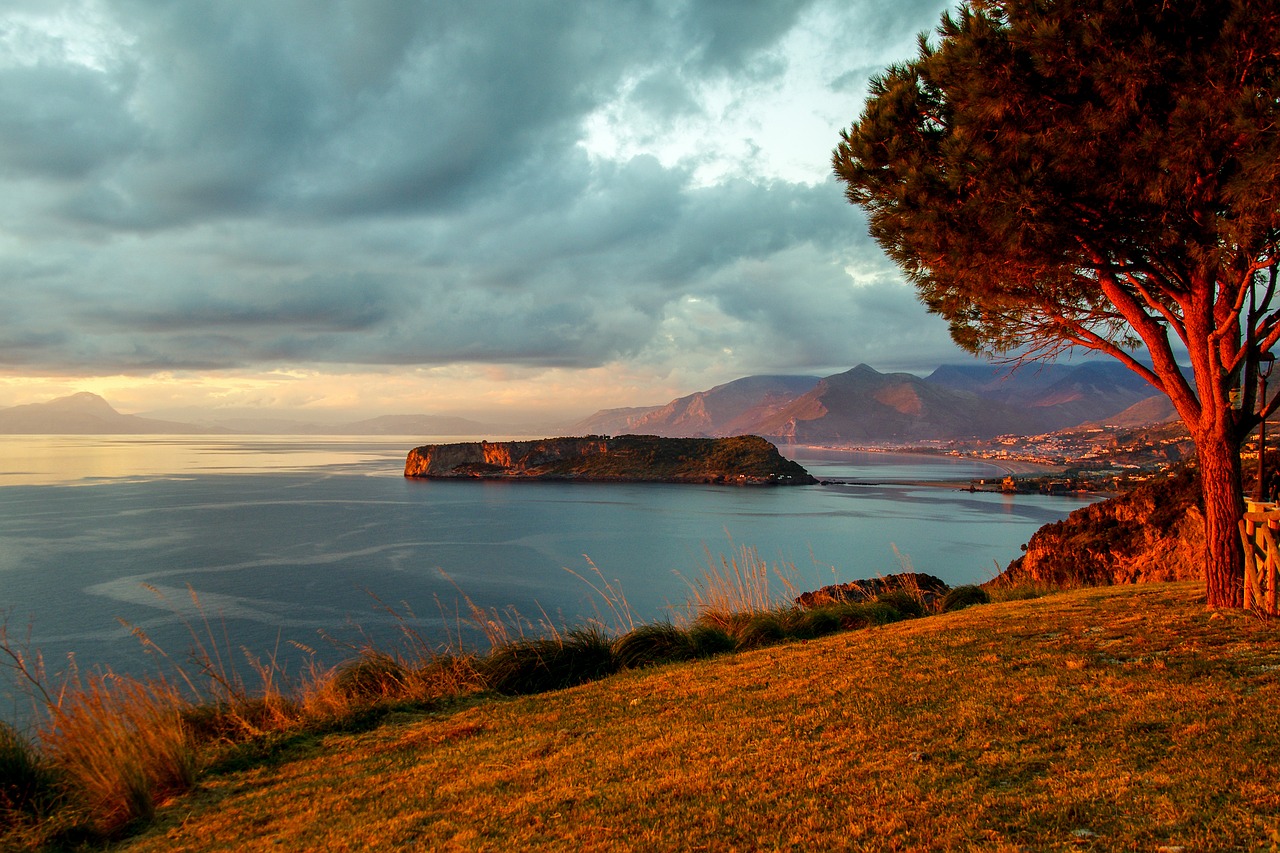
1219 460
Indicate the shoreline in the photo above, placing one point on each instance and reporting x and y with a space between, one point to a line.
1007 466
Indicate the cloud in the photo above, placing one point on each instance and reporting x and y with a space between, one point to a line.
538 185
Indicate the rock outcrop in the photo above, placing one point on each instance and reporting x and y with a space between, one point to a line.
1154 533
924 587
744 460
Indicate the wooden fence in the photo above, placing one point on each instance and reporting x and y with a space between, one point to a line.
1260 530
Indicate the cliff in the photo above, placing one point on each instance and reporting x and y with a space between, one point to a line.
626 458
1154 533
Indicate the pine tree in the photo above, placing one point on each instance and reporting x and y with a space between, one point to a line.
1054 175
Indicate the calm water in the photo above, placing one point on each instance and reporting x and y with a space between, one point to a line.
283 538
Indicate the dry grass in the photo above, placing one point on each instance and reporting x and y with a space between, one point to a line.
740 583
1123 718
108 748
121 745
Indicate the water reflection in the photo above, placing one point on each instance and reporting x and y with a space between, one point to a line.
39 460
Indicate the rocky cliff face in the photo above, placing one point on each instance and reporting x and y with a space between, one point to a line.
510 458
743 459
1154 533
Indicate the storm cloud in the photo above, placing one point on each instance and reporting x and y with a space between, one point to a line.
229 185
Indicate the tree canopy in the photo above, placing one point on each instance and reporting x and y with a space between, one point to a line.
1104 174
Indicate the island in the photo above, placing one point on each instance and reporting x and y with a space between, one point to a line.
741 460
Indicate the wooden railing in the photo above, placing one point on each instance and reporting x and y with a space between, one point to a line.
1260 529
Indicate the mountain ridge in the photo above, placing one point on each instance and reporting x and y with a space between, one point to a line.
84 413
865 405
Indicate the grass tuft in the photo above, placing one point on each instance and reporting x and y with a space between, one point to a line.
761 629
538 665
27 787
372 676
740 583
709 641
658 643
817 622
964 596
120 745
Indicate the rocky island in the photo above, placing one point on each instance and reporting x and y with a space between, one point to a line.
742 460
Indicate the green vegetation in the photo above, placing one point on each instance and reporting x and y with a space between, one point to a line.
1123 718
111 747
1096 175
1103 719
712 459
745 459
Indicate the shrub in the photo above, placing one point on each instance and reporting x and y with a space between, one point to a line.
902 601
120 745
535 666
445 675
761 629
875 613
660 642
964 596
26 785
708 641
817 622
1007 590
373 675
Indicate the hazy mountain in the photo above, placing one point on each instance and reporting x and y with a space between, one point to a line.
1157 409
612 421
862 404
89 414
86 414
865 405
998 382
733 408
1064 394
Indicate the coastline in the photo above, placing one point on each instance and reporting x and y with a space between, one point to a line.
1005 466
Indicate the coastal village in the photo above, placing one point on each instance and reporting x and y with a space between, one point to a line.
1093 458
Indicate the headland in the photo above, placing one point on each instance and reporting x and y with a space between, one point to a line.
741 460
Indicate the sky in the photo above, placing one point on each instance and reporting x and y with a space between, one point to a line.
491 209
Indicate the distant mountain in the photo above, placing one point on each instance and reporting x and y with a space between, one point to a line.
1064 395
86 414
611 421
733 408
865 405
89 414
1157 409
998 382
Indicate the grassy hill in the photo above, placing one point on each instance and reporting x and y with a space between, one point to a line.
1100 719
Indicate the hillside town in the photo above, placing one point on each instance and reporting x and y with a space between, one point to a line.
1091 458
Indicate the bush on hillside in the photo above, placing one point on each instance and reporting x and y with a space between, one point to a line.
27 787
536 666
964 596
658 643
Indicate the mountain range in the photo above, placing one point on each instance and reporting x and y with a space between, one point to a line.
89 414
858 405
862 404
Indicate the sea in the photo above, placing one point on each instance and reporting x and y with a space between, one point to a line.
132 553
